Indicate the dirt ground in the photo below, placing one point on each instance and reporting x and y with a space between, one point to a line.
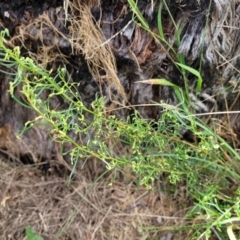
85 209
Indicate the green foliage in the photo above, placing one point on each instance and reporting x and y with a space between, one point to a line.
138 13
31 235
156 147
194 72
203 181
154 151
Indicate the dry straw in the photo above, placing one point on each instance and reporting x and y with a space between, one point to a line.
99 56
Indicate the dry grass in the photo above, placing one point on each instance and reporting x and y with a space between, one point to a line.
30 197
42 200
83 36
98 55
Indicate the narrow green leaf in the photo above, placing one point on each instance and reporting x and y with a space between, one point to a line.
160 81
190 69
138 14
194 72
165 82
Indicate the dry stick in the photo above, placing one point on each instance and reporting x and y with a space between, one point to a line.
144 215
234 89
227 62
213 113
86 200
95 230
175 107
116 34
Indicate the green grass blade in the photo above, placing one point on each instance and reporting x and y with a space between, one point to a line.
194 72
160 81
137 12
176 89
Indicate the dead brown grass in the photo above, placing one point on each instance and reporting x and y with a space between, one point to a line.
82 210
83 36
98 55
87 210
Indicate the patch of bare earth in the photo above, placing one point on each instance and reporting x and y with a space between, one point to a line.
38 197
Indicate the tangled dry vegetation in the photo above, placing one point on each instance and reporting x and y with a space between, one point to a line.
82 210
105 50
